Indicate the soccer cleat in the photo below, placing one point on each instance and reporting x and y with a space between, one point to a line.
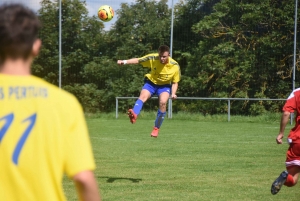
155 132
132 116
277 184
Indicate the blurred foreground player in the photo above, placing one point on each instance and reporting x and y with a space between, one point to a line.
290 176
161 81
43 133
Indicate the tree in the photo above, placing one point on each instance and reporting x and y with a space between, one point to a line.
140 29
242 48
46 64
228 48
81 40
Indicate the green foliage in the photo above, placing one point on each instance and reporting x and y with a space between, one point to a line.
243 48
46 64
82 38
229 48
88 95
141 28
114 80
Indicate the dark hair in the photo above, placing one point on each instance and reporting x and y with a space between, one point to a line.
19 28
163 48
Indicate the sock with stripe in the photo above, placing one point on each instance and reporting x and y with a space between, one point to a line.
138 106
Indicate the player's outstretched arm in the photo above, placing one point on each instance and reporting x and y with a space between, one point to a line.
86 186
129 61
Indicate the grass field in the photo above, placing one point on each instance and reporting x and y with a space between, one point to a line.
191 160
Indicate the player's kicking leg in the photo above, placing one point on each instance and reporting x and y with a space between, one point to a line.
135 111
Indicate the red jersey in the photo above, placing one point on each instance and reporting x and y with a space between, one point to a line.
293 105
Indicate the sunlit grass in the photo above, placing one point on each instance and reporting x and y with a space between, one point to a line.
195 159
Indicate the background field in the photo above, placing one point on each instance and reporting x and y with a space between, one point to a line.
204 159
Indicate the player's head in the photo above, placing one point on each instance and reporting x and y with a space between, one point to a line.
164 53
19 28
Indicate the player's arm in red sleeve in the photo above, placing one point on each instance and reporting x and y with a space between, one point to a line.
86 186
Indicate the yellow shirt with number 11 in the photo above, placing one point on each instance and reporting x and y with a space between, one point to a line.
43 135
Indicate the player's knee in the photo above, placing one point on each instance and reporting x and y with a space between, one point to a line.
143 98
162 104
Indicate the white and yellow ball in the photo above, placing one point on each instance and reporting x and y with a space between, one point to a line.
105 13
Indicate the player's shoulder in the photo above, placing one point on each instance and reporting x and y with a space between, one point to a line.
173 62
295 93
297 90
151 56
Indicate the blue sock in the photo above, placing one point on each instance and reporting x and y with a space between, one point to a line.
138 106
159 118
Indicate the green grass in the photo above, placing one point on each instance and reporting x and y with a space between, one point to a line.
200 158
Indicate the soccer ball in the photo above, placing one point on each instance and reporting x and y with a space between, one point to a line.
105 13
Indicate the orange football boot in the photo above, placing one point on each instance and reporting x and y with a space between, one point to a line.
132 116
155 132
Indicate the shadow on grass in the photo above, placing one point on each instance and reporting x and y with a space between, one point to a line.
113 179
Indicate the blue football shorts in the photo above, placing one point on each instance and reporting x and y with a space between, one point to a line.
156 89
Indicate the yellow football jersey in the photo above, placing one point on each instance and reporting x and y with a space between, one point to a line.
43 133
161 74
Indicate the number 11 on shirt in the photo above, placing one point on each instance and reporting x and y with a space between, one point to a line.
8 121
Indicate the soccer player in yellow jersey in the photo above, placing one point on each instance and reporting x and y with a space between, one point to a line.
162 80
43 134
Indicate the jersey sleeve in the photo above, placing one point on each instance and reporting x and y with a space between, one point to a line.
79 155
147 61
290 104
177 75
